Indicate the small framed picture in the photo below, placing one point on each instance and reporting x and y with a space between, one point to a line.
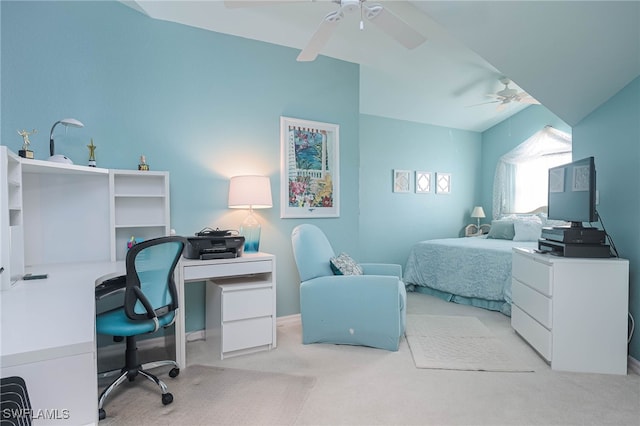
401 180
423 182
443 183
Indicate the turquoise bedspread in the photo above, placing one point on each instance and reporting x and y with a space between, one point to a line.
474 271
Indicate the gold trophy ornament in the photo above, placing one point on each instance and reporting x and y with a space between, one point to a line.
92 154
25 152
143 164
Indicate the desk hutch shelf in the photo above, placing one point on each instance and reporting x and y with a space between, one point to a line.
72 223
139 207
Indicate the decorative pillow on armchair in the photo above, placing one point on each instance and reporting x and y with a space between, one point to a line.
343 264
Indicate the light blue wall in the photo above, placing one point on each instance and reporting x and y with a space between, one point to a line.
206 106
390 223
612 135
505 136
201 105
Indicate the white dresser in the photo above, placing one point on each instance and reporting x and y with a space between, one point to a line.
572 311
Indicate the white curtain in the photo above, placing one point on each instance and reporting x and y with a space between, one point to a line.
548 141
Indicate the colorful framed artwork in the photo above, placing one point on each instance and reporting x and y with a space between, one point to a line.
443 183
401 180
309 169
423 182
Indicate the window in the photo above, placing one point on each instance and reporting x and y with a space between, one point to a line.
531 179
520 183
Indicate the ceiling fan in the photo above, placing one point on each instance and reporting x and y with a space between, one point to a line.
508 95
376 13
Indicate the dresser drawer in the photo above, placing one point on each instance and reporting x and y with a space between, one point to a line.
247 334
533 303
532 331
250 303
535 274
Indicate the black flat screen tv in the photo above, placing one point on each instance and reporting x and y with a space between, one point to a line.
572 192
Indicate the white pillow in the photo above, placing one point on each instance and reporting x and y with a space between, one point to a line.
527 230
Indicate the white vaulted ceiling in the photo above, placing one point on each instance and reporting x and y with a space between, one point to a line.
570 55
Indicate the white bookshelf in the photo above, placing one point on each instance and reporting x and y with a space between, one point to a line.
139 207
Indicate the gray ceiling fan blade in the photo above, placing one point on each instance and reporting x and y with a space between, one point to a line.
484 103
321 36
394 26
525 98
502 106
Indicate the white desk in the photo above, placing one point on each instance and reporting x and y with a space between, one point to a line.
48 326
252 272
48 338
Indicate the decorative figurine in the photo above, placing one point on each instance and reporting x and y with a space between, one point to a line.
131 242
25 152
143 164
92 154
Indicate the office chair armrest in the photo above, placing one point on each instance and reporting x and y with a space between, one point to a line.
110 287
151 313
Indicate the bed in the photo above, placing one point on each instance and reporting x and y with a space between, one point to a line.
473 271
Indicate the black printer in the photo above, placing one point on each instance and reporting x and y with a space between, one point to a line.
214 247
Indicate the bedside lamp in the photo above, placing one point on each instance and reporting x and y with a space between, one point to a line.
250 192
59 158
478 213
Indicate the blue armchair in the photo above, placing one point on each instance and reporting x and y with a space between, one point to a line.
366 310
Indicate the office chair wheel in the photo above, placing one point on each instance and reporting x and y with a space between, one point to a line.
174 372
167 398
102 414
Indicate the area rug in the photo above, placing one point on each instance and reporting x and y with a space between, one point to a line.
457 343
211 396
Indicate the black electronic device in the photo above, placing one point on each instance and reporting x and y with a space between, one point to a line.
572 192
214 247
35 277
208 232
574 250
573 235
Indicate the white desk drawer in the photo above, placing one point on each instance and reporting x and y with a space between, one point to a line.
532 331
535 304
535 274
251 303
215 270
247 334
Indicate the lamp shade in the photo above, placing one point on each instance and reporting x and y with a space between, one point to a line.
477 212
250 192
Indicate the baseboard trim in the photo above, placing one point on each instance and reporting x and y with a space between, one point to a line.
288 319
634 365
192 336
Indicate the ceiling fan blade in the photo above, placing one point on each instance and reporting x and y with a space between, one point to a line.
525 98
394 26
321 36
483 103
502 106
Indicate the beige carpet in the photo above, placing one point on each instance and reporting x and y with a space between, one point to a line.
211 396
457 343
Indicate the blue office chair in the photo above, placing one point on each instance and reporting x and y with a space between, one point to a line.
150 302
366 310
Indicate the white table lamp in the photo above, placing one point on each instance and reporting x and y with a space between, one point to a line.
478 213
59 158
250 192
